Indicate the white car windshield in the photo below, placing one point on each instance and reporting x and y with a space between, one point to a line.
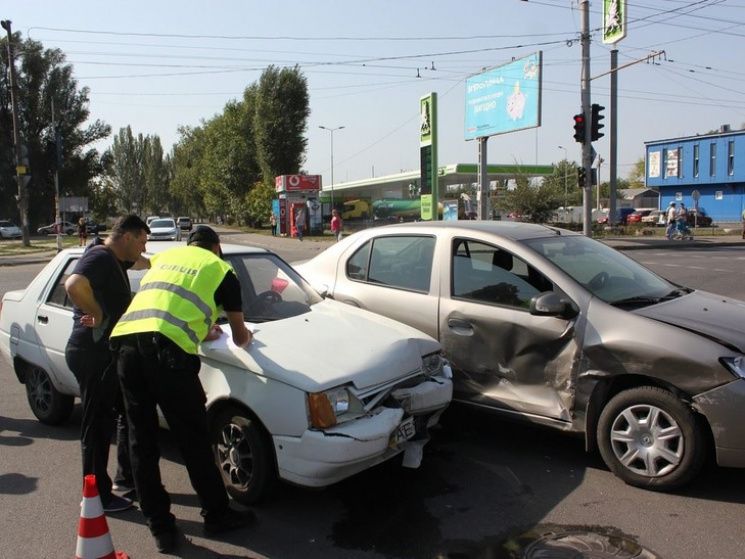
162 223
271 289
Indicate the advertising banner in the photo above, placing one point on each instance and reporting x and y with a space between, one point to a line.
297 183
504 99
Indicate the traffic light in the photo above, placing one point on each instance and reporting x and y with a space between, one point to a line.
579 128
581 177
595 133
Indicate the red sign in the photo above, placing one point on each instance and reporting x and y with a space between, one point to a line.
297 183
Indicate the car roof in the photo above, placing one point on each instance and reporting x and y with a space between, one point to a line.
154 248
515 230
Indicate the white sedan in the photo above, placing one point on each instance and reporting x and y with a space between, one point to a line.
323 392
164 229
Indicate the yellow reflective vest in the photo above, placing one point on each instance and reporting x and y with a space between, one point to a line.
176 297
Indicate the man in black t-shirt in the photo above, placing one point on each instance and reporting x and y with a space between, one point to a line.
100 291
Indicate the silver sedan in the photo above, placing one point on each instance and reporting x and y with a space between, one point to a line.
551 327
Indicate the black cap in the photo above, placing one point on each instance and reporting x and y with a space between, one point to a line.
204 234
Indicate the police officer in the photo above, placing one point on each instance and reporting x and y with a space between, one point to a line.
157 338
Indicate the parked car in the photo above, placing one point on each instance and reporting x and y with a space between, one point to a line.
698 219
323 392
637 215
557 329
94 228
67 228
184 223
9 230
655 218
164 229
621 216
150 219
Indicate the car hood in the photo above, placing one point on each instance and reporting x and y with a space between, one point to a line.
332 345
714 316
163 229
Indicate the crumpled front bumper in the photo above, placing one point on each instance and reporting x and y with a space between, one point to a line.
723 406
322 457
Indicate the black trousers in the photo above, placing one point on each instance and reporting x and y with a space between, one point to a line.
101 399
153 371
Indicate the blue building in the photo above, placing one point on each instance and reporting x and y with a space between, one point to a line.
710 167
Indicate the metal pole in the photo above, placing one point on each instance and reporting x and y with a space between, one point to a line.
20 178
587 145
613 137
566 184
332 130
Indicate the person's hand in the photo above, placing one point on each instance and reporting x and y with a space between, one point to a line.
214 332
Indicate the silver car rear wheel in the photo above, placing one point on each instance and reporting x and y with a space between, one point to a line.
651 439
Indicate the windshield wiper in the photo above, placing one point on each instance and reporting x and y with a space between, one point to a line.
675 293
647 300
636 302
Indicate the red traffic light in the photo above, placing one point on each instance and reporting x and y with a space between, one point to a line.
579 128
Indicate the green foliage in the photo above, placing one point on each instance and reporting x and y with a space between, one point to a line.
45 80
534 202
282 111
259 204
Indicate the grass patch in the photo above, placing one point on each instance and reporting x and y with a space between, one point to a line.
37 244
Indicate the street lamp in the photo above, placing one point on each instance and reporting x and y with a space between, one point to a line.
566 189
332 130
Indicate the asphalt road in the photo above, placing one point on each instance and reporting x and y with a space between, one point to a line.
484 485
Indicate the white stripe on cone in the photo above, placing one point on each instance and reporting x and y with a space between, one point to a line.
91 510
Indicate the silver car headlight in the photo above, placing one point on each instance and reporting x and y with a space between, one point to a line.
736 365
325 407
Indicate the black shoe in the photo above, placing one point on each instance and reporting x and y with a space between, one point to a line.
167 541
231 520
117 504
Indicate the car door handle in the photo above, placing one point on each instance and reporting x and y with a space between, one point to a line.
460 324
43 319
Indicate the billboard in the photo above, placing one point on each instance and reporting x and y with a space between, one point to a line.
505 98
297 183
614 21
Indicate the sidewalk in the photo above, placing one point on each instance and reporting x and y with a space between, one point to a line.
316 244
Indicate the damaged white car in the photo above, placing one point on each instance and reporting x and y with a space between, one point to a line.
323 392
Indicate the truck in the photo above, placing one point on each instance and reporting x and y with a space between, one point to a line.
356 209
405 209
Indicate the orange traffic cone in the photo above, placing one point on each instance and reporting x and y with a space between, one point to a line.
94 540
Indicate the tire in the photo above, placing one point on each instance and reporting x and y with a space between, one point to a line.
661 455
243 457
50 406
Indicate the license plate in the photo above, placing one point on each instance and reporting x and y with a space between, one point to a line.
403 432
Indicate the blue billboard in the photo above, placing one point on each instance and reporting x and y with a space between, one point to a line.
504 99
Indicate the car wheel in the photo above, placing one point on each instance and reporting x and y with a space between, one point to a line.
50 406
650 439
243 456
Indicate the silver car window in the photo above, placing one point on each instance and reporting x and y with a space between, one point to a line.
401 261
488 274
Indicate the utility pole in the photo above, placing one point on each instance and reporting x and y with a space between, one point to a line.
22 176
587 144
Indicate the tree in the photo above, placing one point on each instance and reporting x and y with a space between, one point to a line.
535 200
126 170
282 111
44 81
637 174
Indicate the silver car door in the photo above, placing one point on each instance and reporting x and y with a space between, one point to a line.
503 356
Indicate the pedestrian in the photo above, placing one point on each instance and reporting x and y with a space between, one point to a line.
336 225
299 223
743 223
273 223
681 220
82 231
100 292
157 340
671 216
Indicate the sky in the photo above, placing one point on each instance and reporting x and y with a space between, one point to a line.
162 64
